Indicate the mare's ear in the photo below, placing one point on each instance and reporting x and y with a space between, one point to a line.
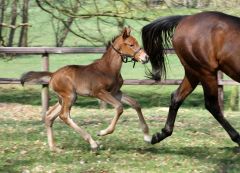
126 32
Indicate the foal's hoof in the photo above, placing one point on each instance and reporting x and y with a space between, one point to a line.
95 146
56 150
95 150
99 134
147 138
104 132
155 138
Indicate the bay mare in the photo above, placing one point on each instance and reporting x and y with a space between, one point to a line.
205 43
101 79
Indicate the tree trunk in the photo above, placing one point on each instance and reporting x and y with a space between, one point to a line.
64 32
23 40
2 9
13 22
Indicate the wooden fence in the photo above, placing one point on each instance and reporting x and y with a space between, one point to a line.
45 51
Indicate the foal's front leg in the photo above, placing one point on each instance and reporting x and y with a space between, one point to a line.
135 105
108 98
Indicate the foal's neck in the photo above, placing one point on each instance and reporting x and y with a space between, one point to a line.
112 60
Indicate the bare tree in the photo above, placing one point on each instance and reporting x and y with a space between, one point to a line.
23 40
2 10
61 29
105 16
13 22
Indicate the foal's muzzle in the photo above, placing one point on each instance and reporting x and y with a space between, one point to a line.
143 58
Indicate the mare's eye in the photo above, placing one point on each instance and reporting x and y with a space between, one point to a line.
131 45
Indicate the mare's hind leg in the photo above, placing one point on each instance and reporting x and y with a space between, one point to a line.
212 105
108 98
135 105
188 84
52 114
67 102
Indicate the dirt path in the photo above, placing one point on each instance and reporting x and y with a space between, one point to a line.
19 112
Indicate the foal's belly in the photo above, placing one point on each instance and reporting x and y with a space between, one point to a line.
94 86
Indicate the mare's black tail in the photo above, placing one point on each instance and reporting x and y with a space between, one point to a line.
156 37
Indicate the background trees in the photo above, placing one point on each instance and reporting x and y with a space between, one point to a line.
88 22
13 16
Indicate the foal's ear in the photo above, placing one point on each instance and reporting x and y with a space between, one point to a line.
126 32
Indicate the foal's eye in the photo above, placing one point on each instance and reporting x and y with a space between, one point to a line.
131 45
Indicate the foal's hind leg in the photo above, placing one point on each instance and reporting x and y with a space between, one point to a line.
108 98
212 105
67 102
135 105
188 84
52 114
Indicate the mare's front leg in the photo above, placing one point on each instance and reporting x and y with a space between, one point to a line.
135 105
188 84
108 98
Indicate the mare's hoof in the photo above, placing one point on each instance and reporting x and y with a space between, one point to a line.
155 138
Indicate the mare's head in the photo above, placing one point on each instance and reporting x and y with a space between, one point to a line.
127 46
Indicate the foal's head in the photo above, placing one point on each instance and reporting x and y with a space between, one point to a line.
127 46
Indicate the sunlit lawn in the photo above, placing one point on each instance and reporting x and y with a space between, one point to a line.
198 143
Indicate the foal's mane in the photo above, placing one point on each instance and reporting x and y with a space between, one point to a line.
108 46
110 42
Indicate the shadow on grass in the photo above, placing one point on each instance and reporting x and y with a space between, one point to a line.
225 158
147 99
12 166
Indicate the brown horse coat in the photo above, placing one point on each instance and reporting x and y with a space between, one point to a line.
101 79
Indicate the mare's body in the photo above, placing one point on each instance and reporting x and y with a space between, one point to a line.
205 43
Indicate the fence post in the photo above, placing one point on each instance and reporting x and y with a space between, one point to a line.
45 89
102 104
220 91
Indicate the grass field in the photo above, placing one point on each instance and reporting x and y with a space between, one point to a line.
198 143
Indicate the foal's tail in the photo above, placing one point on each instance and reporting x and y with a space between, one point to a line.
36 77
156 37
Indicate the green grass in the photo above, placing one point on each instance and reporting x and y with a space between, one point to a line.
198 144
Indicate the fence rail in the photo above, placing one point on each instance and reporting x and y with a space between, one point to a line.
45 51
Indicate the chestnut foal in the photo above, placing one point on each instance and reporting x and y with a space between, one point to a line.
101 79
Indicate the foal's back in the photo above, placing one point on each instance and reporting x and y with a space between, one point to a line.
85 80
